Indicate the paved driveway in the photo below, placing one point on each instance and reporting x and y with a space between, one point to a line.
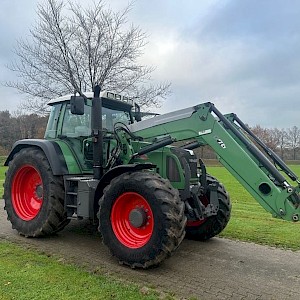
217 269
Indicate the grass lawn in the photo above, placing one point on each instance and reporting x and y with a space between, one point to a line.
250 222
27 274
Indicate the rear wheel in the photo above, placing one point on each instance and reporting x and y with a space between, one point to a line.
34 197
211 226
142 219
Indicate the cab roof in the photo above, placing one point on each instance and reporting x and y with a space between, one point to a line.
68 98
90 95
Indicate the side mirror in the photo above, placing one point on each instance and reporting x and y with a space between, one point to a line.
137 113
77 105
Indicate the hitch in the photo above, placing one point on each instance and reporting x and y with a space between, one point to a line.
203 177
200 211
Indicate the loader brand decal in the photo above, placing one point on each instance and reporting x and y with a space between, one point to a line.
220 142
203 132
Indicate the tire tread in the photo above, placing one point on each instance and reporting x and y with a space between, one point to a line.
56 218
173 210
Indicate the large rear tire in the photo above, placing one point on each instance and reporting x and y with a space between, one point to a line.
142 219
34 197
211 226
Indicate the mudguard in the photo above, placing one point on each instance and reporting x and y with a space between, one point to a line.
116 171
51 150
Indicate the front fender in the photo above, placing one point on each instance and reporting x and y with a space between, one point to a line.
116 171
51 150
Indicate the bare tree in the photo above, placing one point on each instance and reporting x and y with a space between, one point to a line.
74 48
265 135
280 137
294 139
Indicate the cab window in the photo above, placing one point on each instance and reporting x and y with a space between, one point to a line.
51 130
110 117
77 125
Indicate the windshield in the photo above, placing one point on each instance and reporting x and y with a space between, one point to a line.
80 125
110 117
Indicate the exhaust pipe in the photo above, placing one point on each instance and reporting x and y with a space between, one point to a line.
97 133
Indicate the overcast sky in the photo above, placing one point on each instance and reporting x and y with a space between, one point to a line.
244 56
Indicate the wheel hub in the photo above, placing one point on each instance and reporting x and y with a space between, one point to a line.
39 191
138 217
132 220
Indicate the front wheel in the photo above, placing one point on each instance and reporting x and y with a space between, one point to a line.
34 197
142 219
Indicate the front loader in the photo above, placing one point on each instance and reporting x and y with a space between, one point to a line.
100 161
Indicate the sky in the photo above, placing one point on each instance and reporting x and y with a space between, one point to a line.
244 56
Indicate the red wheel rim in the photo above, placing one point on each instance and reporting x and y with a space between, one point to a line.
26 193
129 235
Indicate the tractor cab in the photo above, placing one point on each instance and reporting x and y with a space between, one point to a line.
70 121
65 122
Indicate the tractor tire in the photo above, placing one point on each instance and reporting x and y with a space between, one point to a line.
34 197
141 219
211 226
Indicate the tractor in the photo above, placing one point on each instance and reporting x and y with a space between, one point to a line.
102 160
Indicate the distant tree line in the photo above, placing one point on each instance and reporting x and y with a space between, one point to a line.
17 125
285 142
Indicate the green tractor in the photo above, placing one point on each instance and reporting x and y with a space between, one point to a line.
100 161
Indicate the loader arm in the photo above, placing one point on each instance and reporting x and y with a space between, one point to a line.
236 151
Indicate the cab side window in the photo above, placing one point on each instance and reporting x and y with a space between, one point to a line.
51 130
77 125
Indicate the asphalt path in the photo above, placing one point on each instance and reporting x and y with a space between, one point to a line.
217 269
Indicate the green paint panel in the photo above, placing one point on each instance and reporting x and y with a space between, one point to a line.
72 164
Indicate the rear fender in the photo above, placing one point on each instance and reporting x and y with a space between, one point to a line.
51 150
